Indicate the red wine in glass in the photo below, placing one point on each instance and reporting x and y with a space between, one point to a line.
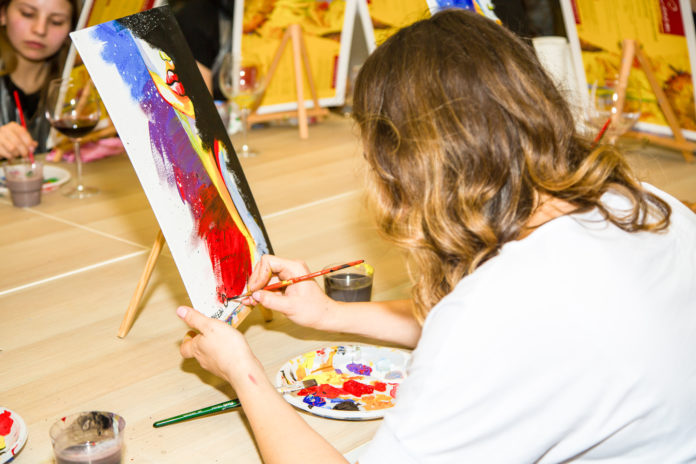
75 128
73 109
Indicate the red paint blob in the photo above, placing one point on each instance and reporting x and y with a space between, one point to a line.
380 386
357 389
5 423
328 391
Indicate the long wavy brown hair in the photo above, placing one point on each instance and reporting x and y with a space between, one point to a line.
464 131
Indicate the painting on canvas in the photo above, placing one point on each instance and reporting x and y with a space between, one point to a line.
177 143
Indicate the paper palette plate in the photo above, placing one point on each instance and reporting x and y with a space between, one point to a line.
14 431
354 382
54 177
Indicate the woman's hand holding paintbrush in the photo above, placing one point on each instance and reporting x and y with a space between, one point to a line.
293 280
305 293
15 140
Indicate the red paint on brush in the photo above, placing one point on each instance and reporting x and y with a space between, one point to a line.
358 389
5 423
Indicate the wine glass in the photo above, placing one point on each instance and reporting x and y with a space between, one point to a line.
73 109
242 81
603 109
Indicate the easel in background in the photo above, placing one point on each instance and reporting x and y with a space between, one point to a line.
300 61
132 310
631 49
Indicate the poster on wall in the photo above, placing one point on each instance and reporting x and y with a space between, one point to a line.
181 153
665 31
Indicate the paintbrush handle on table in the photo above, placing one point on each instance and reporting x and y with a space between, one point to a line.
231 404
294 280
225 405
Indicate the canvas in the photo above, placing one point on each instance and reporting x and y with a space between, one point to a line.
181 153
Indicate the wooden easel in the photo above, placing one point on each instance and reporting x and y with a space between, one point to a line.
300 61
129 317
631 49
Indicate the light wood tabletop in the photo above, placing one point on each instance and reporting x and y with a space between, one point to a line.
70 268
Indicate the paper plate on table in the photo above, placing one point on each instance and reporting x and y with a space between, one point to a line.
14 432
354 382
54 177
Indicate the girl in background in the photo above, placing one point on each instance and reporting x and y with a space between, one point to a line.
554 295
33 47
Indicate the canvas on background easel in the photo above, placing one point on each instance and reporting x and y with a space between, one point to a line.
294 34
309 53
631 49
664 44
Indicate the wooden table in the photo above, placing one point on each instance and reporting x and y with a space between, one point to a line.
70 268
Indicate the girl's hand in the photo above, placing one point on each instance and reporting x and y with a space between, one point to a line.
218 347
304 303
15 141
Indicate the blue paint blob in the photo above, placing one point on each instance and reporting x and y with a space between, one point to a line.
394 375
312 400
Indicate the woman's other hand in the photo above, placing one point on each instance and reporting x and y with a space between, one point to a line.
218 347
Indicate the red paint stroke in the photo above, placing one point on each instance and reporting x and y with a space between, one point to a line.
6 422
251 377
358 389
229 254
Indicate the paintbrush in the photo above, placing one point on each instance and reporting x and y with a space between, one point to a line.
231 404
22 121
601 132
285 283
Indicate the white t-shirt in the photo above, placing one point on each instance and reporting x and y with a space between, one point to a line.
576 343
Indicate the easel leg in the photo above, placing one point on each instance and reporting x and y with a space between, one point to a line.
129 317
663 102
296 34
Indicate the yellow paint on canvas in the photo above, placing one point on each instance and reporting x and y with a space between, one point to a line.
388 16
108 11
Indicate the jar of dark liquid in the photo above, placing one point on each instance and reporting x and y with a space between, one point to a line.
350 284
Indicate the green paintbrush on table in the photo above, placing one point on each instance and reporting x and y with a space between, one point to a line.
231 404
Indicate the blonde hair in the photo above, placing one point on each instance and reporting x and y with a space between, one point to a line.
463 129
